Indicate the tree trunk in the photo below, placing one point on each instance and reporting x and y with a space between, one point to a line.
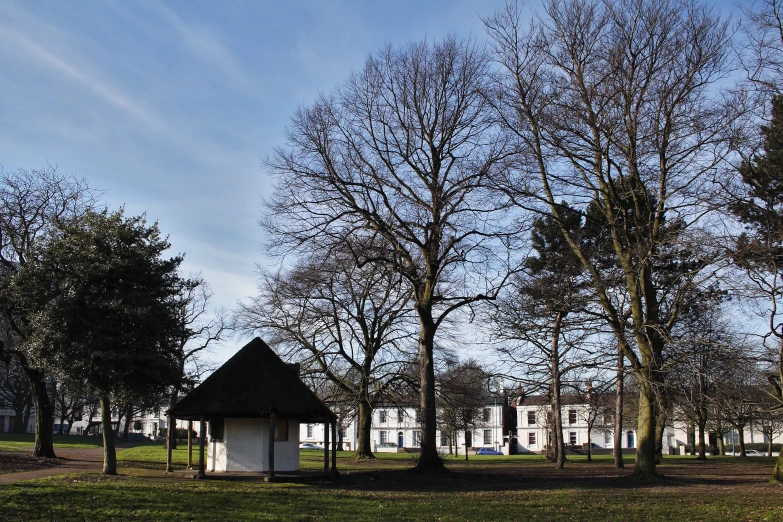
644 466
618 412
660 423
702 421
44 413
364 444
128 421
109 451
741 433
777 473
429 458
589 443
557 410
120 416
721 445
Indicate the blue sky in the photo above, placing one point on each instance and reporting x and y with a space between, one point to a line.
170 107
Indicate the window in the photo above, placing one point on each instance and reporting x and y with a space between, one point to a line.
384 437
607 438
343 432
487 437
572 438
444 439
416 439
418 415
400 415
468 439
531 438
531 418
382 416
486 414
309 431
571 416
216 428
281 430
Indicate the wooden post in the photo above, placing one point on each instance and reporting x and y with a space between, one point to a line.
190 444
172 433
201 442
270 476
326 448
334 448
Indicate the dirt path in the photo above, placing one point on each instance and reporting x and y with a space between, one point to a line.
77 460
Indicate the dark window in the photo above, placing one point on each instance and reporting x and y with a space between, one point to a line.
382 416
531 438
444 439
400 415
531 418
571 416
487 437
384 437
486 414
418 415
281 430
572 438
216 428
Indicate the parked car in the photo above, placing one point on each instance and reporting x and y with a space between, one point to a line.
755 453
310 445
487 451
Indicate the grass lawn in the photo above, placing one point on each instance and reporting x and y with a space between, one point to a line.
25 442
484 488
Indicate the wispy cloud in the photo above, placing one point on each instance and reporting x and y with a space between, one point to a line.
73 68
201 41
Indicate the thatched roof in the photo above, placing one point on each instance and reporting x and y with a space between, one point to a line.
253 383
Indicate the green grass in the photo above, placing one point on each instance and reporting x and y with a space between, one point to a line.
484 488
25 442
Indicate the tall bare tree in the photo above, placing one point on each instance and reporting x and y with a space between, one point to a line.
402 151
615 104
348 326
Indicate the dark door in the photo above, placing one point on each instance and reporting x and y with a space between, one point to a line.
400 440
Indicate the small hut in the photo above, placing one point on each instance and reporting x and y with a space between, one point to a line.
254 404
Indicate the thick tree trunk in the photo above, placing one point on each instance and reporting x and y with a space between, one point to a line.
777 473
721 445
741 433
429 458
364 444
644 466
557 407
109 450
44 413
618 412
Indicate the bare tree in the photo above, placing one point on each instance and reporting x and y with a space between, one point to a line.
615 105
199 328
462 396
70 399
402 151
348 326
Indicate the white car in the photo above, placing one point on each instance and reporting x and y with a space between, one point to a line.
311 446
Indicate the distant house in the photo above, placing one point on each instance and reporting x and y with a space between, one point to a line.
254 405
399 426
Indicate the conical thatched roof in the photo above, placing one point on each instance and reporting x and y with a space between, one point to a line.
253 383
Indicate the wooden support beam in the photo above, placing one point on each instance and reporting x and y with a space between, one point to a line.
190 444
202 441
334 448
326 447
171 436
270 476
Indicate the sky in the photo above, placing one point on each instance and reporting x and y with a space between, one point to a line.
171 107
